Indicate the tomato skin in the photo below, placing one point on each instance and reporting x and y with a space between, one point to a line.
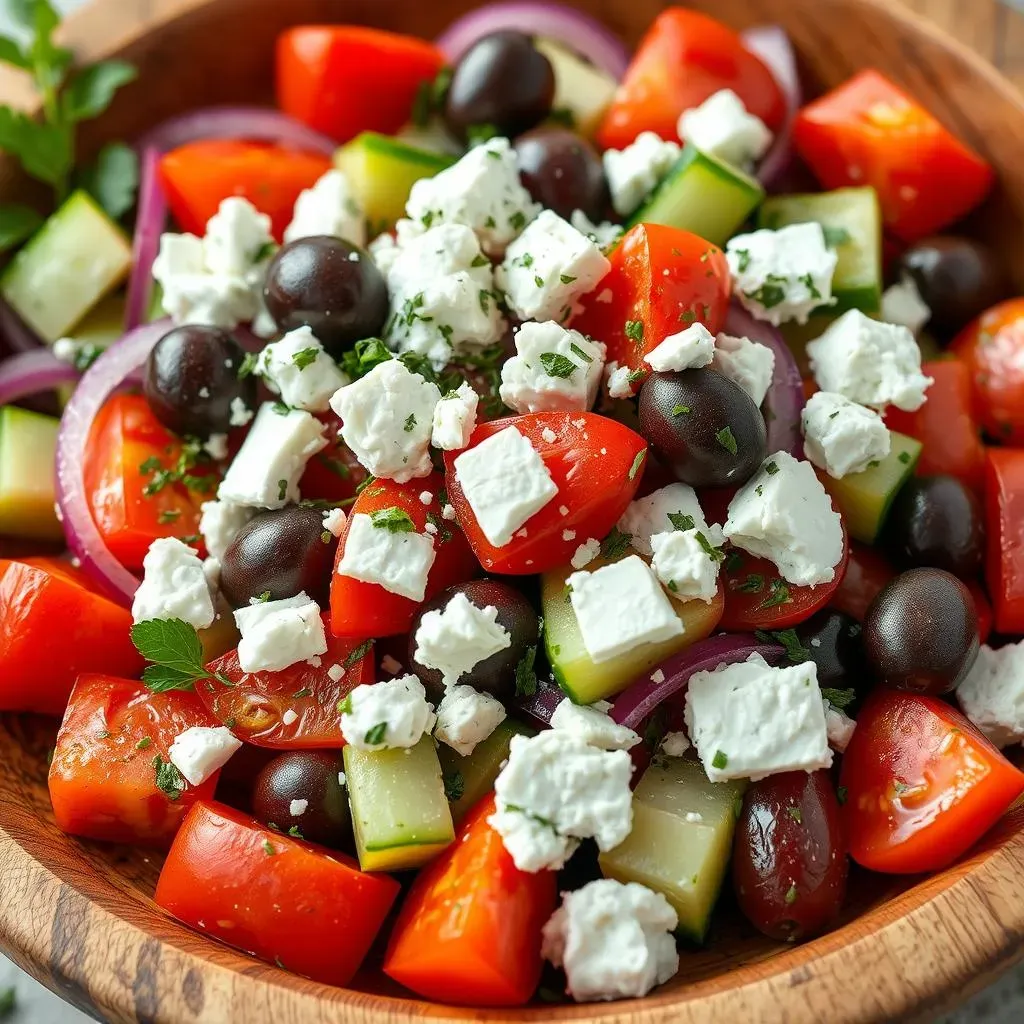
867 572
102 785
869 132
199 176
52 628
346 79
663 277
469 932
684 58
1004 526
595 488
984 609
307 908
923 784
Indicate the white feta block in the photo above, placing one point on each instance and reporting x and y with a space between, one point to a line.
330 207
992 695
219 523
299 370
690 349
723 127
746 363
174 585
466 717
839 726
237 238
633 173
455 419
276 634
455 639
592 724
619 380
842 437
397 561
675 744
674 507
902 304
389 714
201 751
688 561
335 520
605 234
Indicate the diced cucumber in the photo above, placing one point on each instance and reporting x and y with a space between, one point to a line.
28 446
382 170
681 842
102 326
399 811
704 195
853 214
581 90
863 499
76 257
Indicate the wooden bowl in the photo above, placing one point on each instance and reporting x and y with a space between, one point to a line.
78 915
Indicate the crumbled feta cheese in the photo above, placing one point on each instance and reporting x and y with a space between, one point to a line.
782 275
174 585
330 207
384 251
749 720
466 718
593 724
621 606
723 127
276 634
241 414
387 418
687 561
335 520
448 512
393 713
650 515
237 237
869 362
675 744
613 939
604 234
211 570
538 377
455 419
634 172
839 727
902 304
397 561
299 370
783 513
841 436
618 380
216 446
201 751
290 716
746 363
335 673
992 695
455 639
505 482
691 348
266 471
219 524
297 808
585 553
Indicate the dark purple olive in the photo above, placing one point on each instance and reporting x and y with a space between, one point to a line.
563 172
833 641
192 379
496 674
502 83
921 632
299 793
706 427
281 552
330 286
958 278
936 521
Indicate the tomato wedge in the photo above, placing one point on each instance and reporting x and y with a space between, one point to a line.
923 785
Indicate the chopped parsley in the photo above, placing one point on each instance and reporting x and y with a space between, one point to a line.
904 457
753 584
616 543
743 259
538 280
248 365
566 278
393 519
635 330
680 410
454 785
557 365
812 289
720 760
268 848
144 743
168 515
376 734
477 134
577 351
778 593
305 357
839 699
771 468
282 489
169 780
637 463
727 440
796 652
791 894
517 221
715 554
480 260
526 677
796 814
410 422
772 293
681 521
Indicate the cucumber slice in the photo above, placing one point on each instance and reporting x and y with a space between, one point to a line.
681 842
864 499
28 446
704 195
399 811
857 283
75 258
382 170
582 91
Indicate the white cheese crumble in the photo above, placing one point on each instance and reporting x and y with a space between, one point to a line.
650 515
466 717
842 437
397 561
334 521
634 172
454 419
675 744
688 561
992 695
276 634
201 751
902 304
219 523
585 553
839 727
330 207
723 127
746 363
692 348
174 585
455 639
618 380
297 808
393 713
604 234
593 724
290 716
299 370
241 414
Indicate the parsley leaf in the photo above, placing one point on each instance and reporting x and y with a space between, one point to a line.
363 357
305 357
839 699
753 584
681 521
577 351
557 365
17 223
727 440
357 654
616 543
526 677
637 463
772 293
680 410
778 593
771 469
796 652
376 734
454 785
743 260
393 519
174 648
720 760
715 554
635 330
113 178
835 237
410 422
168 779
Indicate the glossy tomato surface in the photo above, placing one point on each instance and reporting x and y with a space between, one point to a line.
1004 513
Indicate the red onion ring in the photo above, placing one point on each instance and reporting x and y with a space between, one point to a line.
149 223
15 332
580 32
540 706
28 373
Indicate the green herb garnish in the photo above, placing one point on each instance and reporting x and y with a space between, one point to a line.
839 699
616 543
305 357
454 785
393 519
557 365
526 677
727 440
796 652
681 521
169 780
176 653
720 760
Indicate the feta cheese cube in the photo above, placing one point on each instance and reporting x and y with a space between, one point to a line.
749 720
585 553
687 562
266 471
241 414
902 304
330 207
675 744
869 362
297 808
992 695
553 370
674 507
783 513
454 419
723 127
782 275
394 713
397 561
276 634
466 718
173 586
548 268
299 370
604 234
842 437
237 238
334 521
746 363
455 639
839 726
200 297
219 523
505 482
592 724
387 418
621 606
199 752
619 380
691 348
633 173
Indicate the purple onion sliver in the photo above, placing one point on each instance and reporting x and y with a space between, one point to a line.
16 335
149 224
28 373
540 706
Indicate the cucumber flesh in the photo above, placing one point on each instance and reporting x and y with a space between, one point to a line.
582 91
28 445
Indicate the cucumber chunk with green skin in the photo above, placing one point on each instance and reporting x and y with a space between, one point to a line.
583 92
28 446
852 221
864 499
704 195
400 813
681 843
76 257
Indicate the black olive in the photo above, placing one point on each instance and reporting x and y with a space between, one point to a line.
192 379
921 632
330 286
936 521
705 426
833 641
563 172
279 552
502 83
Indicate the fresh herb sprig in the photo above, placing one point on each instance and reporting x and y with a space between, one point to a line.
176 653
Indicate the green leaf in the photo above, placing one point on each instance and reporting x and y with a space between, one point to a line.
557 365
796 652
727 440
393 519
10 53
21 12
616 543
637 463
681 521
376 734
357 654
168 779
113 179
171 644
44 150
454 785
839 699
16 224
92 89
526 677
306 357
160 679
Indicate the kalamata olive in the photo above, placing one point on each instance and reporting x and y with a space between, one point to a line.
281 552
789 857
502 82
921 632
958 278
329 285
563 172
706 427
192 379
300 790
833 641
936 521
496 674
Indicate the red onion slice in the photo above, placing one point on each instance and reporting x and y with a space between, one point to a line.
540 706
149 224
17 334
28 373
